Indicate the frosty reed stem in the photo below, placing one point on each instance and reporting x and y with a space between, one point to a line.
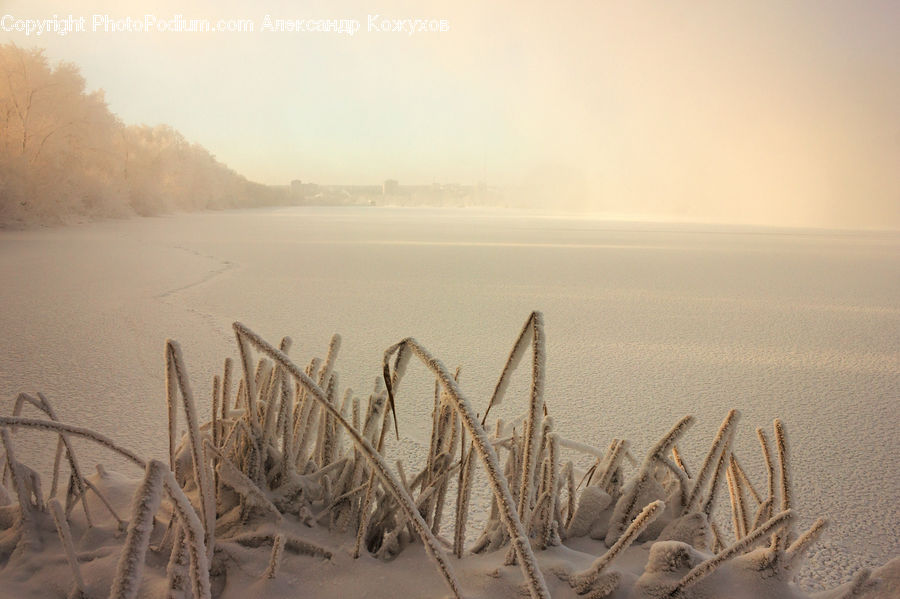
379 466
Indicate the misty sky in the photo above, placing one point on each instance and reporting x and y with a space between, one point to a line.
762 112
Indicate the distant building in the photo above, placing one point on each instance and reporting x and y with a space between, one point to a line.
299 189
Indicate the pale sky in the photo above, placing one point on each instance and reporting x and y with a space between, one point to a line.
763 112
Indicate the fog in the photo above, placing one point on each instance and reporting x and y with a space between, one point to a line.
702 200
749 113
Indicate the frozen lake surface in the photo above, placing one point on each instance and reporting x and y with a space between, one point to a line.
645 323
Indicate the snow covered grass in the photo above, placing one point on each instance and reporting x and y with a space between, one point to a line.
290 482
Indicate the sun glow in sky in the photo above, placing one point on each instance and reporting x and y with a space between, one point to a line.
767 112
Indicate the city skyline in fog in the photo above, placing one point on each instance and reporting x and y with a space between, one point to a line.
773 114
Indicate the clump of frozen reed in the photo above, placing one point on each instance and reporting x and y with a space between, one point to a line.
287 449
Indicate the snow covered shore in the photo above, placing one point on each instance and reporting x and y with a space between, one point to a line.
288 490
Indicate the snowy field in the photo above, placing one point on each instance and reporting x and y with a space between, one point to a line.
645 323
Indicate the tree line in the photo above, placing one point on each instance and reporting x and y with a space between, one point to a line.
65 157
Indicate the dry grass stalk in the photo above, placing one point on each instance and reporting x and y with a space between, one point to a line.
552 526
508 515
145 504
627 506
569 475
733 494
26 520
65 537
770 468
275 559
582 581
713 457
232 476
717 474
782 540
175 368
226 389
77 478
707 567
535 410
605 481
375 459
679 461
745 481
194 535
177 576
799 547
462 498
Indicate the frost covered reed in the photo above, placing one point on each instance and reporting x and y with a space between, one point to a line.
65 536
287 450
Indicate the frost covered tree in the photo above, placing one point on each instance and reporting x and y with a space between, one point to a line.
64 155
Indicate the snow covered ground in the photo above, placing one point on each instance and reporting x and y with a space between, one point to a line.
645 323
